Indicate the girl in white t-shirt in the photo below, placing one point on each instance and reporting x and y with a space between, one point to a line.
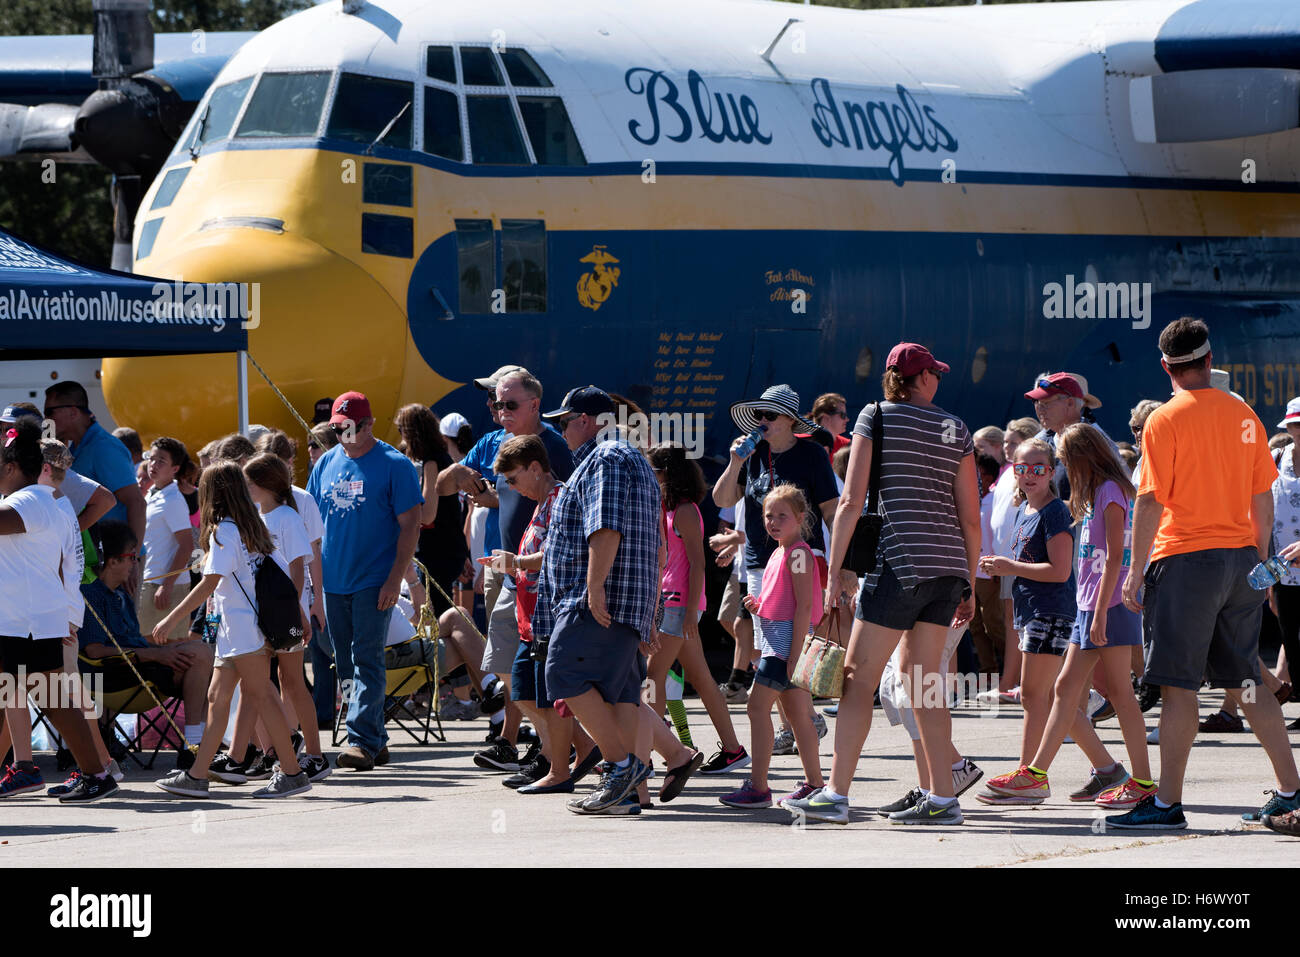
235 542
34 613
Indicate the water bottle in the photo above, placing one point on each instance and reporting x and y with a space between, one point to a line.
1268 572
746 448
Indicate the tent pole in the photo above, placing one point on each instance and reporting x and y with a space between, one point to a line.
242 376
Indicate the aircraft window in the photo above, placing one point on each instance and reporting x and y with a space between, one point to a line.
364 105
285 104
170 185
386 184
223 106
523 259
148 233
387 235
442 136
550 132
523 69
493 133
476 262
480 67
440 64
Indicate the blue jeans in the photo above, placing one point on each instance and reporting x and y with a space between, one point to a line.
323 684
357 631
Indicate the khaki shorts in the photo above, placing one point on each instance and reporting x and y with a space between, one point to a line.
492 583
151 616
730 607
264 652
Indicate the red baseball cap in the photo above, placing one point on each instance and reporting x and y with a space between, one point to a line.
350 407
1058 383
910 359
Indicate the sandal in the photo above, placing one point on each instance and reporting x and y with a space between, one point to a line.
675 778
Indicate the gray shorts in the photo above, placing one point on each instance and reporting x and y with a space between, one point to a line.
584 655
1007 582
674 619
502 635
1201 618
894 701
893 606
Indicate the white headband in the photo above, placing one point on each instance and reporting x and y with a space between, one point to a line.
1201 350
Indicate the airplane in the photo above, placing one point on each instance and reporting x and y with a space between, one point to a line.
688 202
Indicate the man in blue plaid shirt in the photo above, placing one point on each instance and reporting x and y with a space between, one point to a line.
598 591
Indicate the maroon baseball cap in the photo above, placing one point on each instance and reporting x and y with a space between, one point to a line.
1058 383
350 407
911 359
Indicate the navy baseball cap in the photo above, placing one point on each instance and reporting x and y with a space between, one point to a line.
586 400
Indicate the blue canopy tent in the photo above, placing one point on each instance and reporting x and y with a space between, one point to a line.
51 306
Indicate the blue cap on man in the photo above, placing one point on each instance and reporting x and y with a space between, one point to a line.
586 400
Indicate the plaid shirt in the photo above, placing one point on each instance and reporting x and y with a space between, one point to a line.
612 487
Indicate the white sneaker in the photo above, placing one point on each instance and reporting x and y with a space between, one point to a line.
965 776
115 771
784 742
820 724
1095 703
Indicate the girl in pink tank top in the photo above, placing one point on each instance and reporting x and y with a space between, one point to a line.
790 604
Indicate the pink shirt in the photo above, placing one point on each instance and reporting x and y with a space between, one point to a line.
776 601
677 573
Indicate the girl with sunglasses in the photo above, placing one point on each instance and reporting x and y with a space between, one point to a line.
1044 603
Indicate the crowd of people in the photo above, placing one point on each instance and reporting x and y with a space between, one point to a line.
565 561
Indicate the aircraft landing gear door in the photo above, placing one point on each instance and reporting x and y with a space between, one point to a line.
783 355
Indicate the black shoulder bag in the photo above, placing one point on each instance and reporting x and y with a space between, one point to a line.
277 607
860 558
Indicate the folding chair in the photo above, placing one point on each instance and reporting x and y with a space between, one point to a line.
136 700
401 683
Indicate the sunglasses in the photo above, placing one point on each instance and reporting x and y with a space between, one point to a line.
568 420
128 557
1036 469
49 409
509 405
766 416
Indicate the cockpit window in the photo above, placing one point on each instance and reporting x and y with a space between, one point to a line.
365 105
523 69
223 106
440 64
480 67
493 134
285 104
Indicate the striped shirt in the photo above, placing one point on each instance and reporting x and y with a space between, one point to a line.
921 538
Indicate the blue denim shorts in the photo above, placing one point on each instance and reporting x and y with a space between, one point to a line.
773 672
584 654
1049 635
528 678
1123 629
675 620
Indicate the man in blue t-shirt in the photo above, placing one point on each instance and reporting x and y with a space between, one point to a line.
96 453
369 498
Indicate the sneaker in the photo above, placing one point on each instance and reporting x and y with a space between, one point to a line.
298 742
964 778
501 756
723 761
16 781
61 789
734 693
1275 806
784 743
184 760
115 770
1100 782
831 710
802 791
91 788
927 812
1148 696
1154 736
910 799
180 782
358 759
615 785
820 724
381 757
1294 725
227 770
1020 783
1128 795
1288 823
528 772
451 708
629 807
748 797
492 698
1103 711
1009 697
262 767
1147 816
284 785
1223 723
527 735
531 755
997 799
818 807
494 731
316 767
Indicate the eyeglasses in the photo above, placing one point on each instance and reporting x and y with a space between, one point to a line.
128 557
568 420
509 405
767 416
1023 469
49 409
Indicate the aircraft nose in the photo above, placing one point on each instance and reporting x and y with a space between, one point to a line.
319 325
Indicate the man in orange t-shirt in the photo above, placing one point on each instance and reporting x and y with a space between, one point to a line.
1204 513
